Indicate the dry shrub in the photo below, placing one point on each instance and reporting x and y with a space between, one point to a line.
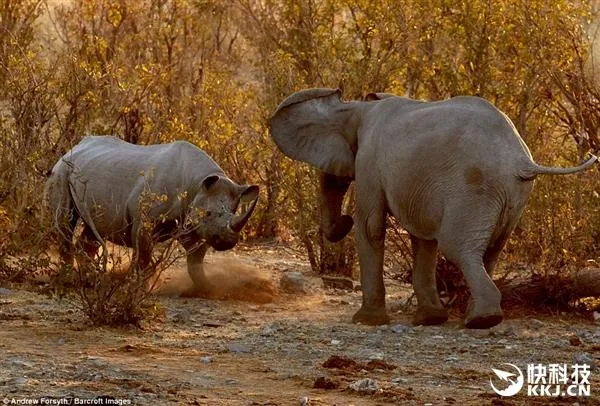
110 291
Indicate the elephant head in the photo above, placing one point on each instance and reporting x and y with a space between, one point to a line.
215 214
316 127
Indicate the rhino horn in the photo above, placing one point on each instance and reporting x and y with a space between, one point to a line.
239 221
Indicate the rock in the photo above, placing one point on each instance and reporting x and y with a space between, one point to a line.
4 291
324 382
237 348
502 330
575 341
19 380
335 342
398 380
292 282
180 316
585 359
365 385
596 315
536 324
97 361
451 358
478 333
21 364
376 356
400 329
304 401
269 330
206 360
338 282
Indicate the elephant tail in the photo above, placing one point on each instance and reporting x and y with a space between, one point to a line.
534 169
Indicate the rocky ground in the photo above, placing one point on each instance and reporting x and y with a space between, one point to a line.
298 349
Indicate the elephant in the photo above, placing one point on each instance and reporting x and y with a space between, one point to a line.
137 195
454 173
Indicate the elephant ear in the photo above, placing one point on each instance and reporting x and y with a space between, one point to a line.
378 96
312 126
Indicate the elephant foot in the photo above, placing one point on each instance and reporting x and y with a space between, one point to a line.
478 319
430 316
372 316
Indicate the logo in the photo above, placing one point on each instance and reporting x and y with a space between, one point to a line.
515 381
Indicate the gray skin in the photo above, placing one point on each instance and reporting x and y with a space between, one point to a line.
455 173
114 187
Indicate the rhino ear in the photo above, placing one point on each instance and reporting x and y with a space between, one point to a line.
249 193
209 181
313 126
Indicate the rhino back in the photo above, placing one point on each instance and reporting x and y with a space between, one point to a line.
109 176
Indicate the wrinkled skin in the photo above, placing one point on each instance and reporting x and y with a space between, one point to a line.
455 173
136 196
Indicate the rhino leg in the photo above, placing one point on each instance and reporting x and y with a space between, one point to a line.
88 242
63 212
142 250
195 268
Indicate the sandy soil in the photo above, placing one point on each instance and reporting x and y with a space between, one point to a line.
235 352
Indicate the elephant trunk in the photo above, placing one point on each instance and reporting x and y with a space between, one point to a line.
334 225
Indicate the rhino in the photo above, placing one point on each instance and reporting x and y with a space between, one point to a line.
137 195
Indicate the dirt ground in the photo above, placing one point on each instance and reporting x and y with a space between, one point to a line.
235 352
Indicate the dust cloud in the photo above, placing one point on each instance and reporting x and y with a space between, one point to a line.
230 279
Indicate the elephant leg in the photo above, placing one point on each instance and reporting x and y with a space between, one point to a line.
430 310
370 235
464 242
490 258
484 309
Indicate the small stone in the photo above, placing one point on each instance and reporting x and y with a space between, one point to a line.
98 361
267 331
180 316
237 348
206 360
596 316
400 329
337 282
292 282
324 382
60 341
451 358
398 380
585 359
22 364
575 341
19 381
536 324
502 330
365 385
478 333
97 377
4 291
304 401
335 342
376 356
